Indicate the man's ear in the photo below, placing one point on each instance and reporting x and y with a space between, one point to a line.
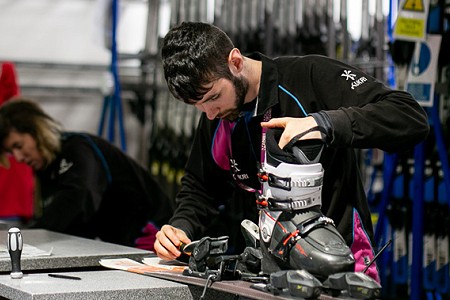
235 61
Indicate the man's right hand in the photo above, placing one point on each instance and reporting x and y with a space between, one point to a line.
168 240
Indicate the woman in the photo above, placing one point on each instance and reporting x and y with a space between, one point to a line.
89 187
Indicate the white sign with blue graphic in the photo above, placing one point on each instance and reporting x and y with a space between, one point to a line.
423 70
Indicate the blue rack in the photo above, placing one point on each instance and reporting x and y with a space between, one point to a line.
418 196
113 102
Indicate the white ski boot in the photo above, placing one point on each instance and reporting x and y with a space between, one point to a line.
294 233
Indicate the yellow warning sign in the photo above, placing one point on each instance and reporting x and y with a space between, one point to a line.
413 28
414 5
411 24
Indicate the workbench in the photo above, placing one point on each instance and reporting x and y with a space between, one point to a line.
79 258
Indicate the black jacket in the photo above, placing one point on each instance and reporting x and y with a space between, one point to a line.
93 190
361 113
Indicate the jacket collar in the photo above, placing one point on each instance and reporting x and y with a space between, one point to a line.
268 91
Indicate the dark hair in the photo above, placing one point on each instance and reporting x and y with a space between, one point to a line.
193 55
26 116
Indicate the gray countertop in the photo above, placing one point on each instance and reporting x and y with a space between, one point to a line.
95 285
80 257
67 251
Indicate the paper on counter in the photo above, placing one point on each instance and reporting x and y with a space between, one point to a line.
164 264
150 265
27 251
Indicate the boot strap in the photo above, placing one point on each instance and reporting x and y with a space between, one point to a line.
291 204
288 241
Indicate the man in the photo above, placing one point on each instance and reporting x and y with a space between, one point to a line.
241 96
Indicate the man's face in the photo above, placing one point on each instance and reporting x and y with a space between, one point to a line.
24 149
225 99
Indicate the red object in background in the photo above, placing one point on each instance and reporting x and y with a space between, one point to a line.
17 181
16 190
8 82
148 238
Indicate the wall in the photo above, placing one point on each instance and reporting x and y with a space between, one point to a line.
62 62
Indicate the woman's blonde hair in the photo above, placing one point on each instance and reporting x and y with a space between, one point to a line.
26 116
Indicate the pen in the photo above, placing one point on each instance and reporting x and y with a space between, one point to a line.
64 276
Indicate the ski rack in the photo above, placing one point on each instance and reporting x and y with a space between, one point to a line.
113 101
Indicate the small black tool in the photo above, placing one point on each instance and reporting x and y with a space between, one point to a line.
64 276
187 248
15 245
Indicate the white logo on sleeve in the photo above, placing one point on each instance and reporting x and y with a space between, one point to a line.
348 75
355 82
64 166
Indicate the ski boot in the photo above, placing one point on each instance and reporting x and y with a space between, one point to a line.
294 233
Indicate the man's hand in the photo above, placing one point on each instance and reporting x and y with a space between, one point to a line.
168 240
293 127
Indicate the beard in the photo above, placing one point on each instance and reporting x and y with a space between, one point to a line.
240 89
